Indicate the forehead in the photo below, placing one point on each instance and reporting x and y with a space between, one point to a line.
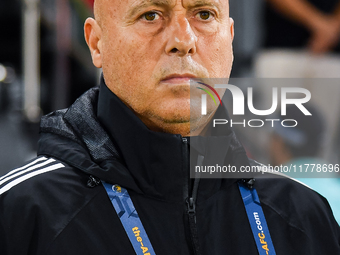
173 3
128 5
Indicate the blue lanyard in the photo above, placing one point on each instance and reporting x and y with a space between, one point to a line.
128 215
139 239
257 220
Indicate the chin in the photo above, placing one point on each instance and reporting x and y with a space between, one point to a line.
173 111
177 116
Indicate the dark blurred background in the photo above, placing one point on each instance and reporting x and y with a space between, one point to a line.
44 65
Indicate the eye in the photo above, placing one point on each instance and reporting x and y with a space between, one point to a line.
151 16
204 15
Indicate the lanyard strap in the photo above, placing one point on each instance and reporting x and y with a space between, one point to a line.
257 220
131 222
139 239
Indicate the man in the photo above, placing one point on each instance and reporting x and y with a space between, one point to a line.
131 133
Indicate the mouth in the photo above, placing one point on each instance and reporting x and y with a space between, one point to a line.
178 79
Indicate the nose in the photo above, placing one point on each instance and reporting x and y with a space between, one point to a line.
182 39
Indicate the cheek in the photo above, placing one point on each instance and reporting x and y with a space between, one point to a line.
122 56
128 65
124 59
132 53
217 55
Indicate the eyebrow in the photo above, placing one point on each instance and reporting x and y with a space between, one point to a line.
146 3
200 3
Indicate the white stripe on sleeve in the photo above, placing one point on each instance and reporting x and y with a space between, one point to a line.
30 175
21 168
27 170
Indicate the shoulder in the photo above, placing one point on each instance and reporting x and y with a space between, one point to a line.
37 169
31 171
304 216
39 179
42 197
289 196
300 207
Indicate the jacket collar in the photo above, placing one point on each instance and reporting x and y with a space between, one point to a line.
154 159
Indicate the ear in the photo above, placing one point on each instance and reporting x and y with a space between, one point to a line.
232 32
93 36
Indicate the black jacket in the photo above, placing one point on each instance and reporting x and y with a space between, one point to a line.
54 205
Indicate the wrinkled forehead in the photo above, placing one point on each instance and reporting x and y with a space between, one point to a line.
100 6
169 2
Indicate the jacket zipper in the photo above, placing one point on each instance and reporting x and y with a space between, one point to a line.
190 199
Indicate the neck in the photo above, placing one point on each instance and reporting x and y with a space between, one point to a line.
185 128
